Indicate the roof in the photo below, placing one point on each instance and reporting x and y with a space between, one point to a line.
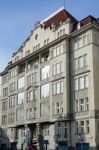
58 18
86 21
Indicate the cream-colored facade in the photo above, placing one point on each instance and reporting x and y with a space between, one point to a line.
53 81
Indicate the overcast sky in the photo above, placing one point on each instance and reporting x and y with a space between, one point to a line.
17 18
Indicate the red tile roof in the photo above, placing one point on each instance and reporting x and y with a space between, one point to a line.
86 21
61 16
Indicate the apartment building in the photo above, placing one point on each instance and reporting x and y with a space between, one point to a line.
53 81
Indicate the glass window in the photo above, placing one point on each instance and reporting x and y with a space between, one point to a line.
54 52
77 128
82 108
54 89
20 83
20 114
87 126
81 62
81 83
58 68
82 126
57 50
80 42
86 81
86 103
61 87
85 60
57 108
58 87
45 72
75 63
61 49
20 98
45 90
76 106
76 84
61 67
54 70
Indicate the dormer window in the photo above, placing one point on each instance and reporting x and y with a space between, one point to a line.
78 25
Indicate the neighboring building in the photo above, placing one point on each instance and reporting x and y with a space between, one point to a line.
53 80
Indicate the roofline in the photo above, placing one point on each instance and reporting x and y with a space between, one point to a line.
52 15
83 29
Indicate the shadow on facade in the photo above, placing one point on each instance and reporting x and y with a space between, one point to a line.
4 141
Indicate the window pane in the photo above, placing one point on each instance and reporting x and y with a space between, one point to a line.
58 87
76 84
86 81
21 83
81 83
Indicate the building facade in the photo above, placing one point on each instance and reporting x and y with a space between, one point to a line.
53 81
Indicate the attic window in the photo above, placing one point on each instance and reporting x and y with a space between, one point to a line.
36 36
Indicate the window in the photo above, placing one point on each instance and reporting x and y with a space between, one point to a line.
81 83
86 104
57 108
86 81
13 73
80 42
82 127
65 130
76 105
46 41
12 101
82 105
20 98
45 72
87 126
45 57
29 95
80 62
76 84
20 114
27 52
58 88
12 87
4 119
30 113
77 128
4 79
5 91
11 117
4 106
44 110
57 68
76 64
35 95
45 90
61 33
20 83
58 50
59 131
32 78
